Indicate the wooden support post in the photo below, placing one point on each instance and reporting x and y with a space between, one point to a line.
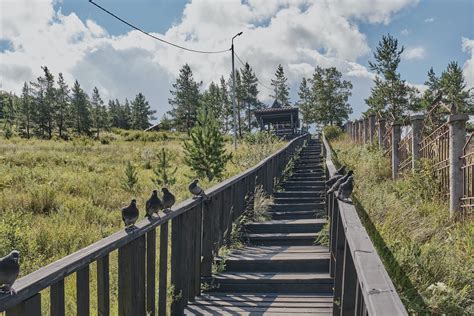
416 127
396 134
457 139
57 305
29 307
349 284
381 132
82 289
339 264
163 276
103 286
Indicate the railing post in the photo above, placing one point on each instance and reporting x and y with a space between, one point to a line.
457 138
396 133
371 128
29 307
381 132
416 127
349 284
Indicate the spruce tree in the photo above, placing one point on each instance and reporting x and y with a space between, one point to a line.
125 115
184 100
62 113
205 153
98 113
281 88
80 109
250 94
141 113
26 111
304 102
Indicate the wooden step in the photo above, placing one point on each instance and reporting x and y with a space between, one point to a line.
287 226
296 214
281 239
299 187
288 200
297 206
296 194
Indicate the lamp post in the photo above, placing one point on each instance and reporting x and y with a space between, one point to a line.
233 92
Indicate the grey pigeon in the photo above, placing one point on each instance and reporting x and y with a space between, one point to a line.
168 199
153 205
333 179
196 190
9 270
341 171
345 189
339 182
130 214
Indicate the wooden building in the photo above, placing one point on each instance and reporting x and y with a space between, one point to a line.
281 120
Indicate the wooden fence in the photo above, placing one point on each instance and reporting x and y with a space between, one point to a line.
198 230
362 286
467 201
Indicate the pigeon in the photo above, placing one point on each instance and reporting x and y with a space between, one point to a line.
153 205
9 270
345 189
130 214
338 182
333 179
196 190
168 199
341 171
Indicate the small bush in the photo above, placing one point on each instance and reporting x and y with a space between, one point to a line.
130 181
332 132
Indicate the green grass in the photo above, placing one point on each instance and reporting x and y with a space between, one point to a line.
429 256
57 197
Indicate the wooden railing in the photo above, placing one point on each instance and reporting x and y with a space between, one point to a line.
198 229
362 286
405 151
467 204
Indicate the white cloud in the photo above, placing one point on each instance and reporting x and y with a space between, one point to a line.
468 68
405 32
299 34
429 20
414 53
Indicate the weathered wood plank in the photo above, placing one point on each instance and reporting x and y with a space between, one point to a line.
197 252
339 263
207 236
151 272
103 286
83 293
57 306
30 307
349 284
163 274
177 264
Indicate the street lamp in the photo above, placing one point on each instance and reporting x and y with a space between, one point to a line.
233 92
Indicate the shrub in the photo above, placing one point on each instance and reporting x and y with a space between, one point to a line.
130 181
165 174
332 132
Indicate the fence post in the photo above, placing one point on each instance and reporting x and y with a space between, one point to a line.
416 127
353 131
371 128
348 128
361 129
457 138
381 132
396 133
366 130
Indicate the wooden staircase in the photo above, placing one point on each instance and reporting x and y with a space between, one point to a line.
281 270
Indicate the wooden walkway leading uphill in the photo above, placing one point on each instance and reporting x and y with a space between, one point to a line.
281 270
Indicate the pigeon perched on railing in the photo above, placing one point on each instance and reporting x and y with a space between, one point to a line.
341 171
130 214
196 190
168 199
9 270
339 182
345 189
153 205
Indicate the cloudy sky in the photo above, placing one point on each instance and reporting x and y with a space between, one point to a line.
76 38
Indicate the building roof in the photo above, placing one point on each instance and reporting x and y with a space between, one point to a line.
277 110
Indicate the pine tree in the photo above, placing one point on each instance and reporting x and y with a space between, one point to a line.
165 123
164 173
141 113
114 114
62 111
211 99
282 90
329 95
239 99
453 89
304 102
8 114
205 153
390 94
80 107
125 115
45 98
98 112
26 111
185 100
226 104
250 94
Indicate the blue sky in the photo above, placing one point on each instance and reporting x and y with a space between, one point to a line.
76 38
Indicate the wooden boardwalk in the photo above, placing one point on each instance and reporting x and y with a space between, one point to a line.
281 270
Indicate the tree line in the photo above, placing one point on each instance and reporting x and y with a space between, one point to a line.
48 107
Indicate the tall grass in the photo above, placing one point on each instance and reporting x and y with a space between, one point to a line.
429 256
57 196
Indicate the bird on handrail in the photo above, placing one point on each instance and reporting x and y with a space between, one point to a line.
345 189
196 190
153 205
9 270
168 200
336 185
130 214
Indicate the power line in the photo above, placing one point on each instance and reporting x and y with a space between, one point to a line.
157 38
243 64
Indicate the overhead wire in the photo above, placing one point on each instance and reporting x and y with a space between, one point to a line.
155 37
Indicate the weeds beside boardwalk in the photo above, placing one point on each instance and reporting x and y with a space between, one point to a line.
57 197
429 257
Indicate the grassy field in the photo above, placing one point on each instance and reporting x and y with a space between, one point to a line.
57 197
429 257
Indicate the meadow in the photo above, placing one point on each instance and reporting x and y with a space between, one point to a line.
58 196
428 256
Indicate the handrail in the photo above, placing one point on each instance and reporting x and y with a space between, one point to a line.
361 283
204 238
